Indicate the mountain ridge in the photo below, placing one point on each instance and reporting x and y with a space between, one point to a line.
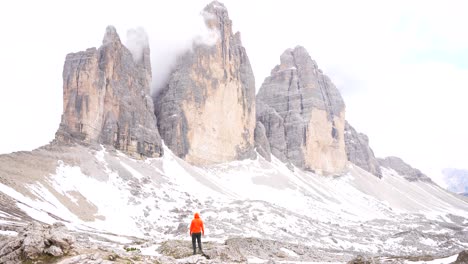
282 165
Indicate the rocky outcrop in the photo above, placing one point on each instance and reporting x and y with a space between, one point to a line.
303 114
360 260
106 99
404 169
207 111
359 151
37 241
462 258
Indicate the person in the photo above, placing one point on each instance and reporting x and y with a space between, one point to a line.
196 231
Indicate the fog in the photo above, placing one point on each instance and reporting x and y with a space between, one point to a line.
401 66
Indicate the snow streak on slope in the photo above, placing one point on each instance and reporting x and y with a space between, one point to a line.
355 212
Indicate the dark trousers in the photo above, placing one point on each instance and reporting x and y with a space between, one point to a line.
196 236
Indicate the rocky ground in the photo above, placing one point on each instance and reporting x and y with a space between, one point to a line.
123 210
41 243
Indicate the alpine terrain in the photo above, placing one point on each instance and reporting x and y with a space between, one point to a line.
277 177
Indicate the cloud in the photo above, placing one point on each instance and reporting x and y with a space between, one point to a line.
172 31
397 63
137 41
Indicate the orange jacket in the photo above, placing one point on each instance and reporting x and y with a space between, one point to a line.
197 225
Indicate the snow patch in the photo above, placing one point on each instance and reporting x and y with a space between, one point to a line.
289 252
8 233
446 260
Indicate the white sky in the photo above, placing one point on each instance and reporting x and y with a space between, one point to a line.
402 66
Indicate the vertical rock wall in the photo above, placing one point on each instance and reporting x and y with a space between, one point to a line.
106 99
207 111
303 114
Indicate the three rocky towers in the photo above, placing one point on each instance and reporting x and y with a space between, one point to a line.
208 112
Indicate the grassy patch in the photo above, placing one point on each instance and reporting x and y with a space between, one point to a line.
132 249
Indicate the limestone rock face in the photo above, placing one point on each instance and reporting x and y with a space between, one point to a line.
273 124
359 151
106 99
206 113
404 169
303 105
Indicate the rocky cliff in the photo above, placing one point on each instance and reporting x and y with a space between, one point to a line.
404 169
303 114
106 99
207 111
359 151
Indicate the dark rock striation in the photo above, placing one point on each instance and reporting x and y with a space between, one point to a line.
106 99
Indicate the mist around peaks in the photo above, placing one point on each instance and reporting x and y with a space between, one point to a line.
170 39
137 41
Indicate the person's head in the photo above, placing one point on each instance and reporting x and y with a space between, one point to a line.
197 215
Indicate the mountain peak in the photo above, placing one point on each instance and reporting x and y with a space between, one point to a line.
107 101
210 97
215 5
294 58
217 17
301 99
111 35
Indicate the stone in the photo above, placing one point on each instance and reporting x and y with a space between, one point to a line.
404 169
360 260
304 105
35 241
214 252
33 244
261 142
462 258
62 239
206 113
54 251
359 152
106 99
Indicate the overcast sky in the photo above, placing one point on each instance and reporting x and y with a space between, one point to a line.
402 66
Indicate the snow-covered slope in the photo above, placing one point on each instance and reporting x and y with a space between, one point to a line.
104 192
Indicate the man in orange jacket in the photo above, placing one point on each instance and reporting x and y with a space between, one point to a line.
196 231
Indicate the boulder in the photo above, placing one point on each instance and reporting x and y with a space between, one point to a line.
37 241
462 258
